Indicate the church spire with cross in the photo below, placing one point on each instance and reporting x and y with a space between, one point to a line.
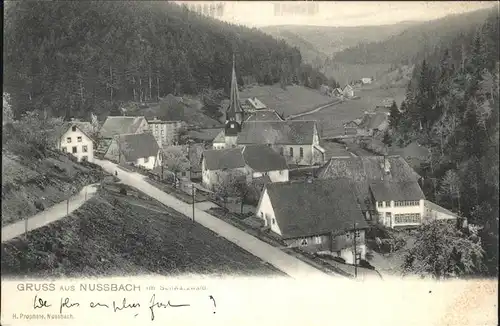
234 112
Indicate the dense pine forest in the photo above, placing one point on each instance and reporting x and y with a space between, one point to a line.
72 57
451 106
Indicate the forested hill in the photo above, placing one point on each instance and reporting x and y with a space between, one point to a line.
411 45
452 107
71 57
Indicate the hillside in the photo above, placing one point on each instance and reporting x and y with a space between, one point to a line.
323 41
410 45
29 186
116 234
72 57
452 108
292 100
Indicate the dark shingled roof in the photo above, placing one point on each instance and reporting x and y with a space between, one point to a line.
264 115
364 170
262 158
230 158
120 125
373 120
290 132
396 191
320 207
135 146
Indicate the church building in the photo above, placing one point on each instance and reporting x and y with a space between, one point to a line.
296 140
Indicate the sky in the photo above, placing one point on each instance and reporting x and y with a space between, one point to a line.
342 13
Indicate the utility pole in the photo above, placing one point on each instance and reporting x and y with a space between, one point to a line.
355 254
67 207
193 194
26 227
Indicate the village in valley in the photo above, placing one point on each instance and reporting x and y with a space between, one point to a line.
267 174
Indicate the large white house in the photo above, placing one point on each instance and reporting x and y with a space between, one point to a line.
136 149
252 161
75 139
317 216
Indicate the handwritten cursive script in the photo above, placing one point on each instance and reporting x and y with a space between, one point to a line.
125 306
154 304
65 303
39 303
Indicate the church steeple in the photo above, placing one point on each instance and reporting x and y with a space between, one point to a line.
234 112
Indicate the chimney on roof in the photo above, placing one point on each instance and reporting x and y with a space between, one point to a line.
387 165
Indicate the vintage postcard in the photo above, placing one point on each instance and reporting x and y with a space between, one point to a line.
250 162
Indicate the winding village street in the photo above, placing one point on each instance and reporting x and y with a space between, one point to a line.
286 263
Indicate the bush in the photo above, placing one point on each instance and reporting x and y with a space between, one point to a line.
123 191
39 205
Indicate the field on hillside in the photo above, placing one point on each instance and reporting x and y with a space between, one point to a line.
293 100
331 119
114 234
30 185
346 72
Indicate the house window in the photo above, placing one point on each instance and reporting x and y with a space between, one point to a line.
387 204
73 128
73 150
303 242
281 172
146 159
407 218
85 158
183 173
358 234
64 149
301 152
79 139
85 148
291 151
273 220
380 204
262 214
281 151
317 240
348 235
68 140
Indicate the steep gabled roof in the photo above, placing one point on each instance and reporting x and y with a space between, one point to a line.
397 191
230 158
120 125
262 158
264 115
365 170
306 209
135 146
289 132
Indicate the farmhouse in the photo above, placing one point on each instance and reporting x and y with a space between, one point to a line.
399 204
75 137
251 161
348 91
296 140
165 132
120 125
318 215
135 149
367 170
338 92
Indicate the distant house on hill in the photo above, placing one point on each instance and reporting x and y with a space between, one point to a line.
255 103
317 216
75 137
251 161
367 80
136 149
337 92
367 170
348 91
